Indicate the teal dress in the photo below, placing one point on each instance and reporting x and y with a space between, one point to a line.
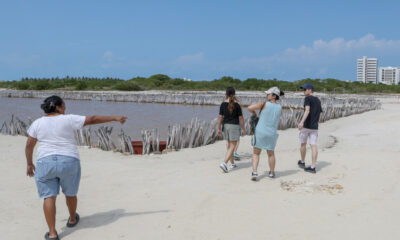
266 133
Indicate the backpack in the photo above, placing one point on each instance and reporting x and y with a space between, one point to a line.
254 121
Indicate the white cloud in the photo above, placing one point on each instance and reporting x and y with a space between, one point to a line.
322 59
107 55
337 47
110 60
329 50
188 65
190 59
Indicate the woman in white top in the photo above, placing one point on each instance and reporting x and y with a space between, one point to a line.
58 162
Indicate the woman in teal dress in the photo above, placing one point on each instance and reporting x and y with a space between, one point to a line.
266 132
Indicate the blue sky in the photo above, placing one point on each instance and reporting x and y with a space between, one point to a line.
200 40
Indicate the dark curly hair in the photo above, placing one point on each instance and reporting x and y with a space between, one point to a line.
49 104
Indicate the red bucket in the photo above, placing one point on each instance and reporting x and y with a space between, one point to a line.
163 145
138 147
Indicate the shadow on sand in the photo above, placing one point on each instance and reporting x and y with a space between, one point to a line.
243 165
102 219
321 165
279 174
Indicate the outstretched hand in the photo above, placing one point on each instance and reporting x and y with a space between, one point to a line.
122 119
30 170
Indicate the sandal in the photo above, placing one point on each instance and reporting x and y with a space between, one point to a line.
70 225
46 236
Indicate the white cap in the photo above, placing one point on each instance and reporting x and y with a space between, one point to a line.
274 90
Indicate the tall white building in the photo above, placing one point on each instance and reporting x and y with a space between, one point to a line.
367 70
389 75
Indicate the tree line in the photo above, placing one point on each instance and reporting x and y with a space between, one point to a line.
164 82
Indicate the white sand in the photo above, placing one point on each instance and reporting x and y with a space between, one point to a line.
184 195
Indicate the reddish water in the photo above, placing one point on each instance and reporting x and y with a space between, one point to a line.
140 115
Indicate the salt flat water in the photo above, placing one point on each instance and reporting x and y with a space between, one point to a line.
141 115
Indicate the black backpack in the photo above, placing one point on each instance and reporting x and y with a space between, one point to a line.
254 121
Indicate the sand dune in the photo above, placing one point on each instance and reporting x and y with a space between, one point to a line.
184 195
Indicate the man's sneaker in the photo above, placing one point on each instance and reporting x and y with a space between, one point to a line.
233 166
310 169
224 167
271 174
301 164
254 176
236 156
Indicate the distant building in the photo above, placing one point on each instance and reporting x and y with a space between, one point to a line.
389 75
187 79
367 70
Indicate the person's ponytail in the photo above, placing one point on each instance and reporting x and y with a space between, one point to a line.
231 104
230 94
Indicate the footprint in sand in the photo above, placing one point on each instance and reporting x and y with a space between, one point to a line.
310 187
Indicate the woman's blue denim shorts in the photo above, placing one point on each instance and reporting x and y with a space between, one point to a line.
57 170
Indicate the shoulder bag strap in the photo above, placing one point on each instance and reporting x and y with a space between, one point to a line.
259 114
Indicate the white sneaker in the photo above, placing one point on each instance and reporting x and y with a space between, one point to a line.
271 175
224 167
233 166
254 176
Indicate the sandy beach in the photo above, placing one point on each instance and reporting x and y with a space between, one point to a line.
184 195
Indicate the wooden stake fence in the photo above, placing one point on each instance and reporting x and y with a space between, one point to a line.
199 133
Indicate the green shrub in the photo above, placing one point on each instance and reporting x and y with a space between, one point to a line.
127 86
164 82
41 85
22 85
81 85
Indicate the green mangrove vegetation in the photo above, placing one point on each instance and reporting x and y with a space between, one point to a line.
164 82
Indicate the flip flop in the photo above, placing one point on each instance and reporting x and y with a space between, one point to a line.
46 236
70 225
